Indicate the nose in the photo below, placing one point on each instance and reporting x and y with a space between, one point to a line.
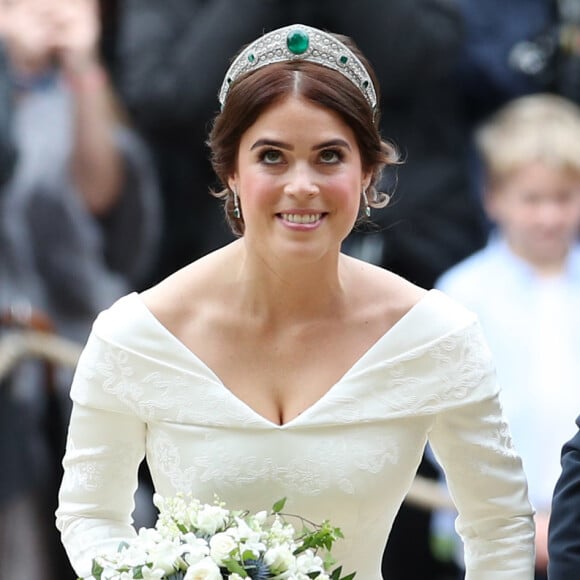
301 182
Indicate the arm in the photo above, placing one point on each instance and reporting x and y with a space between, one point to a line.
485 477
113 254
106 444
96 165
564 526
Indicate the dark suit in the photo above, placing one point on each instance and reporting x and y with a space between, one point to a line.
564 530
7 148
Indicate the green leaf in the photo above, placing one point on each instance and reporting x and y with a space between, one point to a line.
183 529
336 575
328 560
279 505
97 570
233 565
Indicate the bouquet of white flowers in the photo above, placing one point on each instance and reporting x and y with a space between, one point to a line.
195 541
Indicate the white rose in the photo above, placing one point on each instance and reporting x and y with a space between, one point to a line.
152 573
194 549
165 555
235 576
307 562
205 569
261 517
110 574
221 545
132 556
278 559
210 519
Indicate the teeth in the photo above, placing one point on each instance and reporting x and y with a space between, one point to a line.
298 218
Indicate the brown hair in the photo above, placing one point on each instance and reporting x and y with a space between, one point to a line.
253 93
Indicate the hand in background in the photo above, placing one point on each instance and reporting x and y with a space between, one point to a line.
26 30
542 520
76 33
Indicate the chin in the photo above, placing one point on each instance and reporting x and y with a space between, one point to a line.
307 253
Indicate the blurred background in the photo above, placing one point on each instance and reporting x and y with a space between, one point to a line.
105 106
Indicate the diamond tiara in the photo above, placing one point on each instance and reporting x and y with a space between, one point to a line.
300 42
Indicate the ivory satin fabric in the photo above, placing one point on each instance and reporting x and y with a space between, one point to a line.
351 457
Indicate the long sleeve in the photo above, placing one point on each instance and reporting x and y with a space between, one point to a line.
564 529
486 480
106 444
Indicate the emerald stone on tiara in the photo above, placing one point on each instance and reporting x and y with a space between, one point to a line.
297 42
300 42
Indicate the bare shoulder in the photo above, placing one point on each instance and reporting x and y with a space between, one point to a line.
189 290
382 290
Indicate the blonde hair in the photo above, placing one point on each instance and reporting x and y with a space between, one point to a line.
539 127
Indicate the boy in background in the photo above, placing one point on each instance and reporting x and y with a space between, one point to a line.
525 284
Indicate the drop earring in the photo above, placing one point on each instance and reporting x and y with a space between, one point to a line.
366 203
237 212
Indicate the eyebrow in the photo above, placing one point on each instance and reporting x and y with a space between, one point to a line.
287 146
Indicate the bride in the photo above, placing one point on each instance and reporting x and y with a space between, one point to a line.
278 366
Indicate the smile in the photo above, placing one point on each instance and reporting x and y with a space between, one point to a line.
298 218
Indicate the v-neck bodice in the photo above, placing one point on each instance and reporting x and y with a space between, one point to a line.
350 457
190 361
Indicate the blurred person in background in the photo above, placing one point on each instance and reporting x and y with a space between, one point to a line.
525 284
79 222
7 148
564 527
510 50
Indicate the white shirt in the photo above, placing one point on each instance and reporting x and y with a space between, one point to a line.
532 325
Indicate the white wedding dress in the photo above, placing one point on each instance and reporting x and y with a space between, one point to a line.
351 457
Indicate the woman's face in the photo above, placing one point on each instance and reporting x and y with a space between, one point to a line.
299 178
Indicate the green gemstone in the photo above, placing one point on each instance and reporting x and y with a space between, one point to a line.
365 84
343 59
297 42
251 57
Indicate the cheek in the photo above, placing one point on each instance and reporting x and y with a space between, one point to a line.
510 212
346 190
256 190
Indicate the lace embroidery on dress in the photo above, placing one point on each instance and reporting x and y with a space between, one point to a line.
326 462
153 394
433 377
91 475
449 371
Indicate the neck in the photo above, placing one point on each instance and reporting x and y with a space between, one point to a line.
283 290
544 266
549 269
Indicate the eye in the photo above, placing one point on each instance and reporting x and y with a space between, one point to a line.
271 156
331 156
